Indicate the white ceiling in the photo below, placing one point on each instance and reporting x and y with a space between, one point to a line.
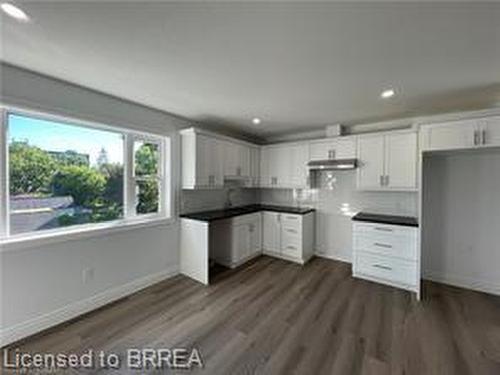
298 66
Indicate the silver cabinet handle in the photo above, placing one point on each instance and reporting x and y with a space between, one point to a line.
382 245
476 137
387 180
291 230
383 229
291 247
382 267
292 217
483 136
381 180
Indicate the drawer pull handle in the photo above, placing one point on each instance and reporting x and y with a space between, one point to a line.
292 217
383 229
291 247
382 245
382 267
291 230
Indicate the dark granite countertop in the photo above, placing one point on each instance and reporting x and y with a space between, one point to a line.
407 221
244 210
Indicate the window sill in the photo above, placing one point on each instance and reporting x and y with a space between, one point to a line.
25 241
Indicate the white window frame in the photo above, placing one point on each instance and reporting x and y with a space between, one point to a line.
131 179
130 218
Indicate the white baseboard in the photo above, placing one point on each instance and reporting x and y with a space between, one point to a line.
42 322
463 282
339 257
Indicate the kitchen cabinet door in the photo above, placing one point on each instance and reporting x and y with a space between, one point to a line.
401 161
275 165
371 162
345 148
209 167
231 159
265 171
335 148
240 242
449 136
490 131
320 150
216 162
236 160
299 157
203 162
271 240
283 166
243 167
255 229
254 166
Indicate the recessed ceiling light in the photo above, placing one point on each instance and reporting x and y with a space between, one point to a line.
386 94
14 12
256 121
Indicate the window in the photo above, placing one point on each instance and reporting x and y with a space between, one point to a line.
147 177
62 174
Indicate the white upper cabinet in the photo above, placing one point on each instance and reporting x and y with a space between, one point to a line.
201 161
207 159
401 161
490 131
387 161
464 134
284 165
298 169
274 166
449 136
334 148
254 166
236 159
265 171
280 166
371 154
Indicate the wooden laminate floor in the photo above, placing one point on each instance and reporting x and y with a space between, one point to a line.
275 317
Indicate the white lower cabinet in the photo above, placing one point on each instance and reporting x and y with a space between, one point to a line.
271 229
288 236
236 240
386 254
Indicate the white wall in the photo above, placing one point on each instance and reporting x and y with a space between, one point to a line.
461 213
43 285
335 207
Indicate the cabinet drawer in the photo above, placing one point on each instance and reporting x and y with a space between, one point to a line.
395 246
290 237
373 229
385 268
291 250
291 221
245 219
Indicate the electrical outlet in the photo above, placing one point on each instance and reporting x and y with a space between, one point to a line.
87 275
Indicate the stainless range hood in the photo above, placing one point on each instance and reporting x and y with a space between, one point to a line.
332 164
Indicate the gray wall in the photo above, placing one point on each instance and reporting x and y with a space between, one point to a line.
461 220
44 282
